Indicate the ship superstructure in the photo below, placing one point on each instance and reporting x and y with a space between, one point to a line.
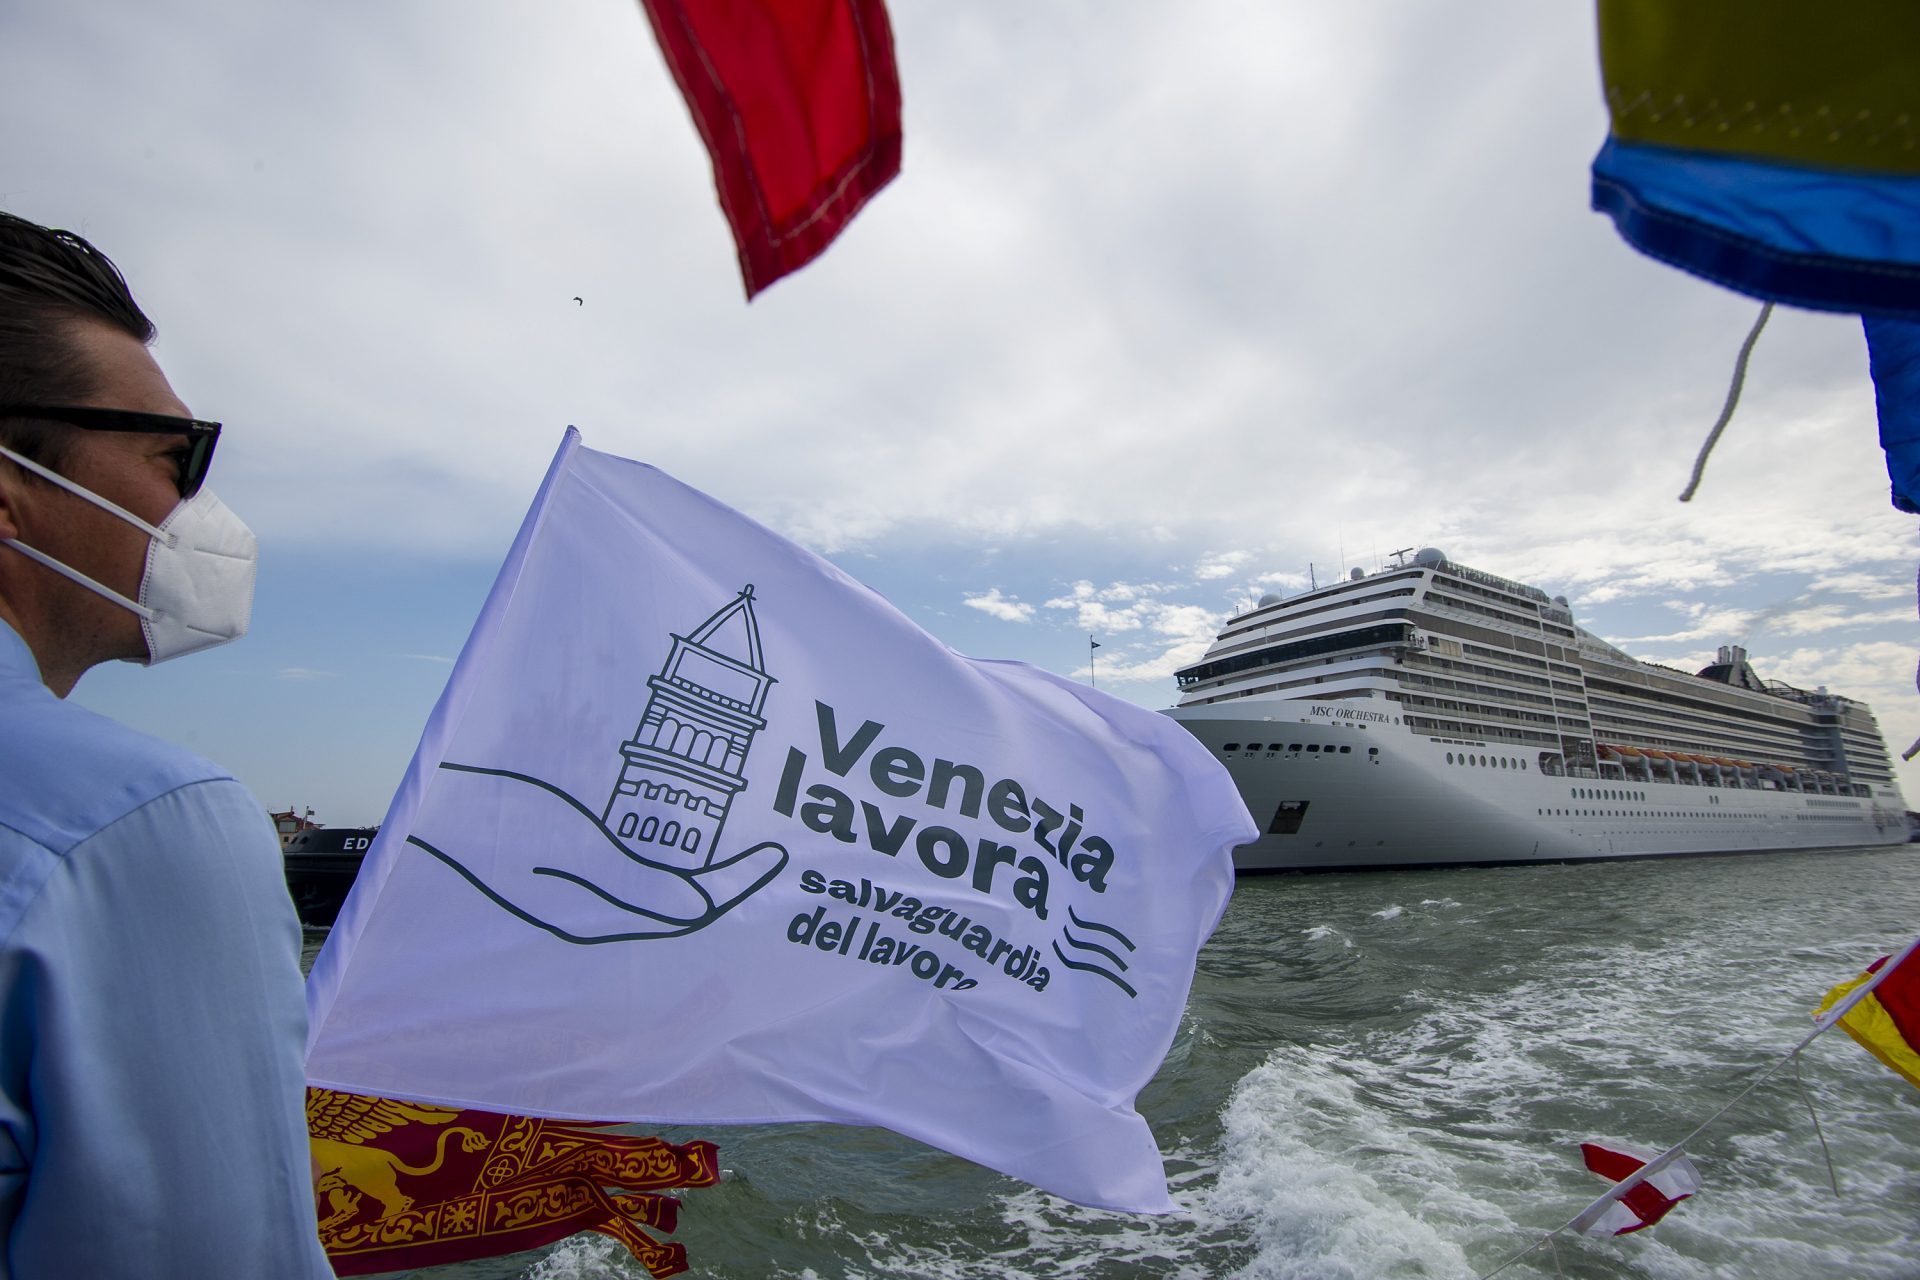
1433 713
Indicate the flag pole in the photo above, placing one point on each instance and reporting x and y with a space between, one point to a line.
1092 644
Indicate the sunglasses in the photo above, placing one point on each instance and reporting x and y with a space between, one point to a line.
201 436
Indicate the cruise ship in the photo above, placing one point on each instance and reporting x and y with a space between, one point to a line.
1430 714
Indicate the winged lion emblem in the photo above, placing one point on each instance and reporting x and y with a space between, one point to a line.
343 1131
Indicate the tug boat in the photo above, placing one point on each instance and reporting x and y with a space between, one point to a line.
321 863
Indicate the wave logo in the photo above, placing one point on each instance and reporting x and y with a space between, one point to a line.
1100 941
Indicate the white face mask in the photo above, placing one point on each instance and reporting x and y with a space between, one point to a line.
197 591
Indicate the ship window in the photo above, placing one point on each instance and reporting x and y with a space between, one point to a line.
1253 746
1231 746
1449 757
1293 746
1345 749
1313 746
627 823
1373 751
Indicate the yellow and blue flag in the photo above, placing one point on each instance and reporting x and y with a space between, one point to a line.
1773 146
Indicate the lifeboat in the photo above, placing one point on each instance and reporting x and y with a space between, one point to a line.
1634 752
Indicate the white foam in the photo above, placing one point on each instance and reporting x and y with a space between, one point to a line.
1330 1186
1443 1144
587 1256
1389 913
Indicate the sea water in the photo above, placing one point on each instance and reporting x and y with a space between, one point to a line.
1389 1074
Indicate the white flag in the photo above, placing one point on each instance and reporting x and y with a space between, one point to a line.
704 831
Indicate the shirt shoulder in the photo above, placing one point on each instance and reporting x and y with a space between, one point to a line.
66 772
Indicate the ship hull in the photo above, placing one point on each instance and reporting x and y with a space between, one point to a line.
321 865
1335 788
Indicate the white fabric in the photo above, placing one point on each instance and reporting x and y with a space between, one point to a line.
514 944
198 587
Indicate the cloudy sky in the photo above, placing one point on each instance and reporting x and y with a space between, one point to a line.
1171 305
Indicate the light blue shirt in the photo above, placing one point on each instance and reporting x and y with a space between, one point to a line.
152 1026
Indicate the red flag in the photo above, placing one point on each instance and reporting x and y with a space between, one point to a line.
1641 1205
403 1185
799 104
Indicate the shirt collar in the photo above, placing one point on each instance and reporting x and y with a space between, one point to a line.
15 657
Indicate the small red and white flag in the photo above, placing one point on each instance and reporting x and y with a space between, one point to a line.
1645 1188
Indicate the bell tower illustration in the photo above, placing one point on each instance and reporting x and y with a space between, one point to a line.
687 760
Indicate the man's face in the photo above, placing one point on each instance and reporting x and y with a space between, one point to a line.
137 471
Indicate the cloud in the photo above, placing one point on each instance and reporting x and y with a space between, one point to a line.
1710 623
305 674
1121 607
1228 293
1833 617
1864 586
1221 565
996 605
1154 667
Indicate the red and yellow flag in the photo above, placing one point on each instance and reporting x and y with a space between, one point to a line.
1886 1020
401 1185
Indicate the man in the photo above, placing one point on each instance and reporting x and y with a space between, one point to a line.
151 1017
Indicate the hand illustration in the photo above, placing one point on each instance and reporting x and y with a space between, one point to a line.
536 851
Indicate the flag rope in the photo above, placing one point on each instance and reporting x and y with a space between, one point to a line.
1833 1177
1822 1024
1733 399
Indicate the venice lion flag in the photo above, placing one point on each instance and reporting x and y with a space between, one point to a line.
703 831
400 1185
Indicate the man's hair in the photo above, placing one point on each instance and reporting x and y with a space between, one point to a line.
49 282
